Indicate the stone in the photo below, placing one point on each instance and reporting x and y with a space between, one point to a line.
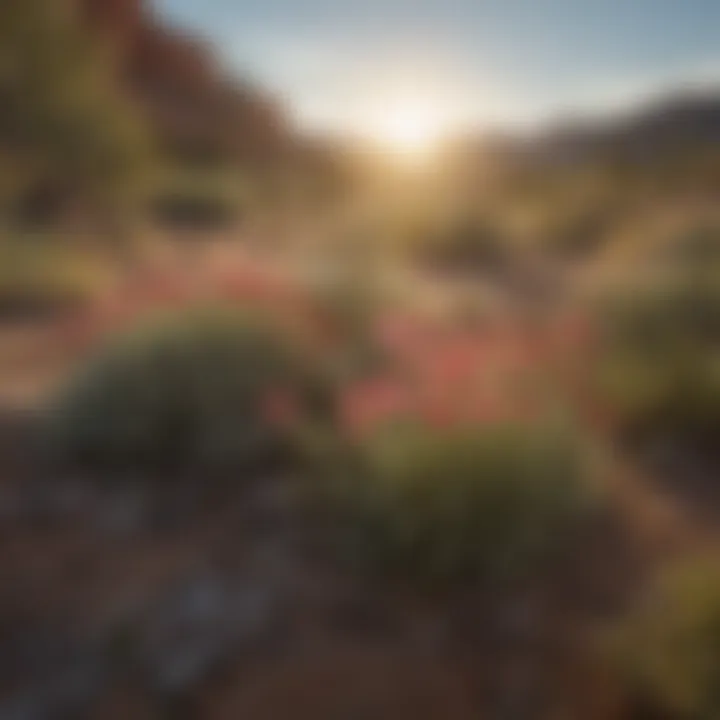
209 621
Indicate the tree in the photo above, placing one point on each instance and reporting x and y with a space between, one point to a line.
64 118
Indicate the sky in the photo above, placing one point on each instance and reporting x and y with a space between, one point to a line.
341 64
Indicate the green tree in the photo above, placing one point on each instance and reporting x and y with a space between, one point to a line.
64 118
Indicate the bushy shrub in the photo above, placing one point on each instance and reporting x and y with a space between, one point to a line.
662 367
201 200
697 247
667 652
580 235
467 244
195 212
182 392
348 303
671 311
37 276
485 503
348 306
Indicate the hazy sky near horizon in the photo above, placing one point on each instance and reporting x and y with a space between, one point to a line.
482 61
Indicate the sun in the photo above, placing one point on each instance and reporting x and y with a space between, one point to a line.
409 127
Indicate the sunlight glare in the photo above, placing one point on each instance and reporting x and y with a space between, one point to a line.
411 128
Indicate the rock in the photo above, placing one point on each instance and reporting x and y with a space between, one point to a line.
63 691
62 498
11 507
360 614
69 499
200 626
125 513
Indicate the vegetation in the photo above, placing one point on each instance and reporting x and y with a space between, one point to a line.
197 201
662 370
65 125
183 392
485 503
43 276
419 330
667 652
469 244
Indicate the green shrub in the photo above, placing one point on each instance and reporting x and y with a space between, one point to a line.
198 200
667 651
465 243
200 212
481 503
580 235
181 392
675 397
348 306
349 301
670 311
38 276
661 371
695 248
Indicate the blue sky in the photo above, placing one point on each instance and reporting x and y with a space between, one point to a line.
483 61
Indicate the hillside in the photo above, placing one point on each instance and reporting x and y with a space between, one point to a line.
678 122
195 107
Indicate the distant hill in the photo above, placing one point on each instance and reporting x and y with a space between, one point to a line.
681 122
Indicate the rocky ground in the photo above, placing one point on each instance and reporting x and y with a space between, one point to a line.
140 599
135 600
